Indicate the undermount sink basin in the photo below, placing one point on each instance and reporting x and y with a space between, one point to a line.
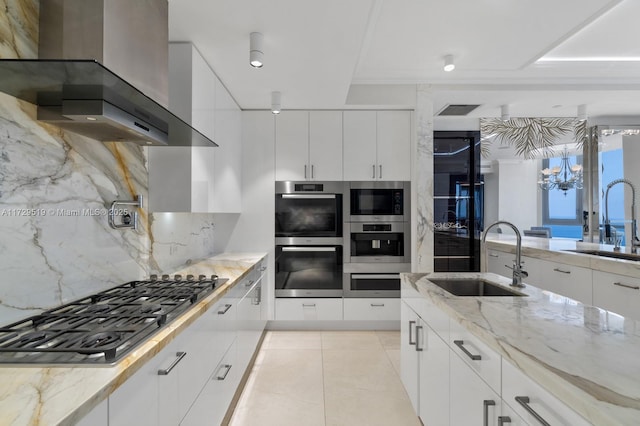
472 287
611 254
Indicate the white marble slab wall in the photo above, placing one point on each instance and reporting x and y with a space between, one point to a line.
422 182
55 188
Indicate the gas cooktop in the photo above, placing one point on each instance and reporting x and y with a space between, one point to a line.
102 328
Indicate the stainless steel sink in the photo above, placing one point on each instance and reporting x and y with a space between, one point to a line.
472 287
611 254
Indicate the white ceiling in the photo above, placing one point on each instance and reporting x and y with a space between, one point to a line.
317 51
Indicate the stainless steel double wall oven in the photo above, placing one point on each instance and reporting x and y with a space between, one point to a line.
337 239
309 239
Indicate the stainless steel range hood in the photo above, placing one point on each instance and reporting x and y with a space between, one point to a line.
100 97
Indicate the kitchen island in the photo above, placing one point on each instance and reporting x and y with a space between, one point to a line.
50 395
584 356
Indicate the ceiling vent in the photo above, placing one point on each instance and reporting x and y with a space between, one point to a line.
457 110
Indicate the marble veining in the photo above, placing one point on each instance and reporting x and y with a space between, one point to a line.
585 356
423 181
63 395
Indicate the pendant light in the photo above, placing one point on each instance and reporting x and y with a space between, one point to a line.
255 50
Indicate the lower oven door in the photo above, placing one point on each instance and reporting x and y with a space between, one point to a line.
372 285
309 271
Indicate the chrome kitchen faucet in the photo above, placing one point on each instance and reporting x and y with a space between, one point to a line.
518 272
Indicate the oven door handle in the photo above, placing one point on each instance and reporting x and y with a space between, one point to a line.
308 248
311 196
374 276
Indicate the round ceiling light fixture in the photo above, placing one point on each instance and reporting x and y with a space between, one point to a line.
255 50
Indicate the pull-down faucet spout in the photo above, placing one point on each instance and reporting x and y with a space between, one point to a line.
518 272
608 237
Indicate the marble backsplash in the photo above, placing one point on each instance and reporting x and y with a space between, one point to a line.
55 188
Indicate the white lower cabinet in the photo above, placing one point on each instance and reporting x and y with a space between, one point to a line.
372 309
617 293
212 403
99 416
299 309
499 262
453 378
473 402
534 404
193 379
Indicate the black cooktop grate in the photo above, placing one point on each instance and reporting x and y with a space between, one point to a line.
102 328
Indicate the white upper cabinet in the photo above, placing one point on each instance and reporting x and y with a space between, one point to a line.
377 145
309 145
198 179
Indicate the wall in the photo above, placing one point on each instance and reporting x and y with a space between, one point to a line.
518 200
52 250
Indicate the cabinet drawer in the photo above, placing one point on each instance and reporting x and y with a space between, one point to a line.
482 359
299 309
383 309
516 384
569 280
617 293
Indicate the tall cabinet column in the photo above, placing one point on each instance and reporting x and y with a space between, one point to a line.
422 183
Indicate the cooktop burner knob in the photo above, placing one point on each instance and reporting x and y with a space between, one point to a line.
177 277
214 278
190 277
165 277
202 277
153 277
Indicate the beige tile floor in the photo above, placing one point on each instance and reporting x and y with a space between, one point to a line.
328 378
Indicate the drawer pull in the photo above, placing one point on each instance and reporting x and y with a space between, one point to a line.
308 305
487 403
562 271
410 333
493 255
263 268
503 419
632 287
179 356
418 348
460 344
226 308
249 283
228 367
377 304
524 401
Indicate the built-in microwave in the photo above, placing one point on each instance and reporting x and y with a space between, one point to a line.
377 201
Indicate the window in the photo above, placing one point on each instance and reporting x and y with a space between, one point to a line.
562 210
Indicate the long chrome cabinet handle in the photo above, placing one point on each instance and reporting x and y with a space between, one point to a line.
312 172
632 287
524 401
373 174
418 348
562 271
503 419
487 403
410 333
179 356
308 305
226 308
460 344
380 177
377 304
305 171
228 367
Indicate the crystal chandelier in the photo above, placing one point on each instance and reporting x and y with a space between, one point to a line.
563 177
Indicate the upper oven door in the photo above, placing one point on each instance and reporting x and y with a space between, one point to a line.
306 209
378 201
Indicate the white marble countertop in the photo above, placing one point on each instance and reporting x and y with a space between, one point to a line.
556 249
63 395
587 357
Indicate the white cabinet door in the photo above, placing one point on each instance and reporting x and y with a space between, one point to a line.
473 402
227 165
325 145
213 402
249 321
359 139
568 280
99 416
617 293
393 145
499 262
527 397
409 357
510 417
372 309
292 145
434 376
299 309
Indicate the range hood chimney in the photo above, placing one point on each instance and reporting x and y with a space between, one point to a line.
102 72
